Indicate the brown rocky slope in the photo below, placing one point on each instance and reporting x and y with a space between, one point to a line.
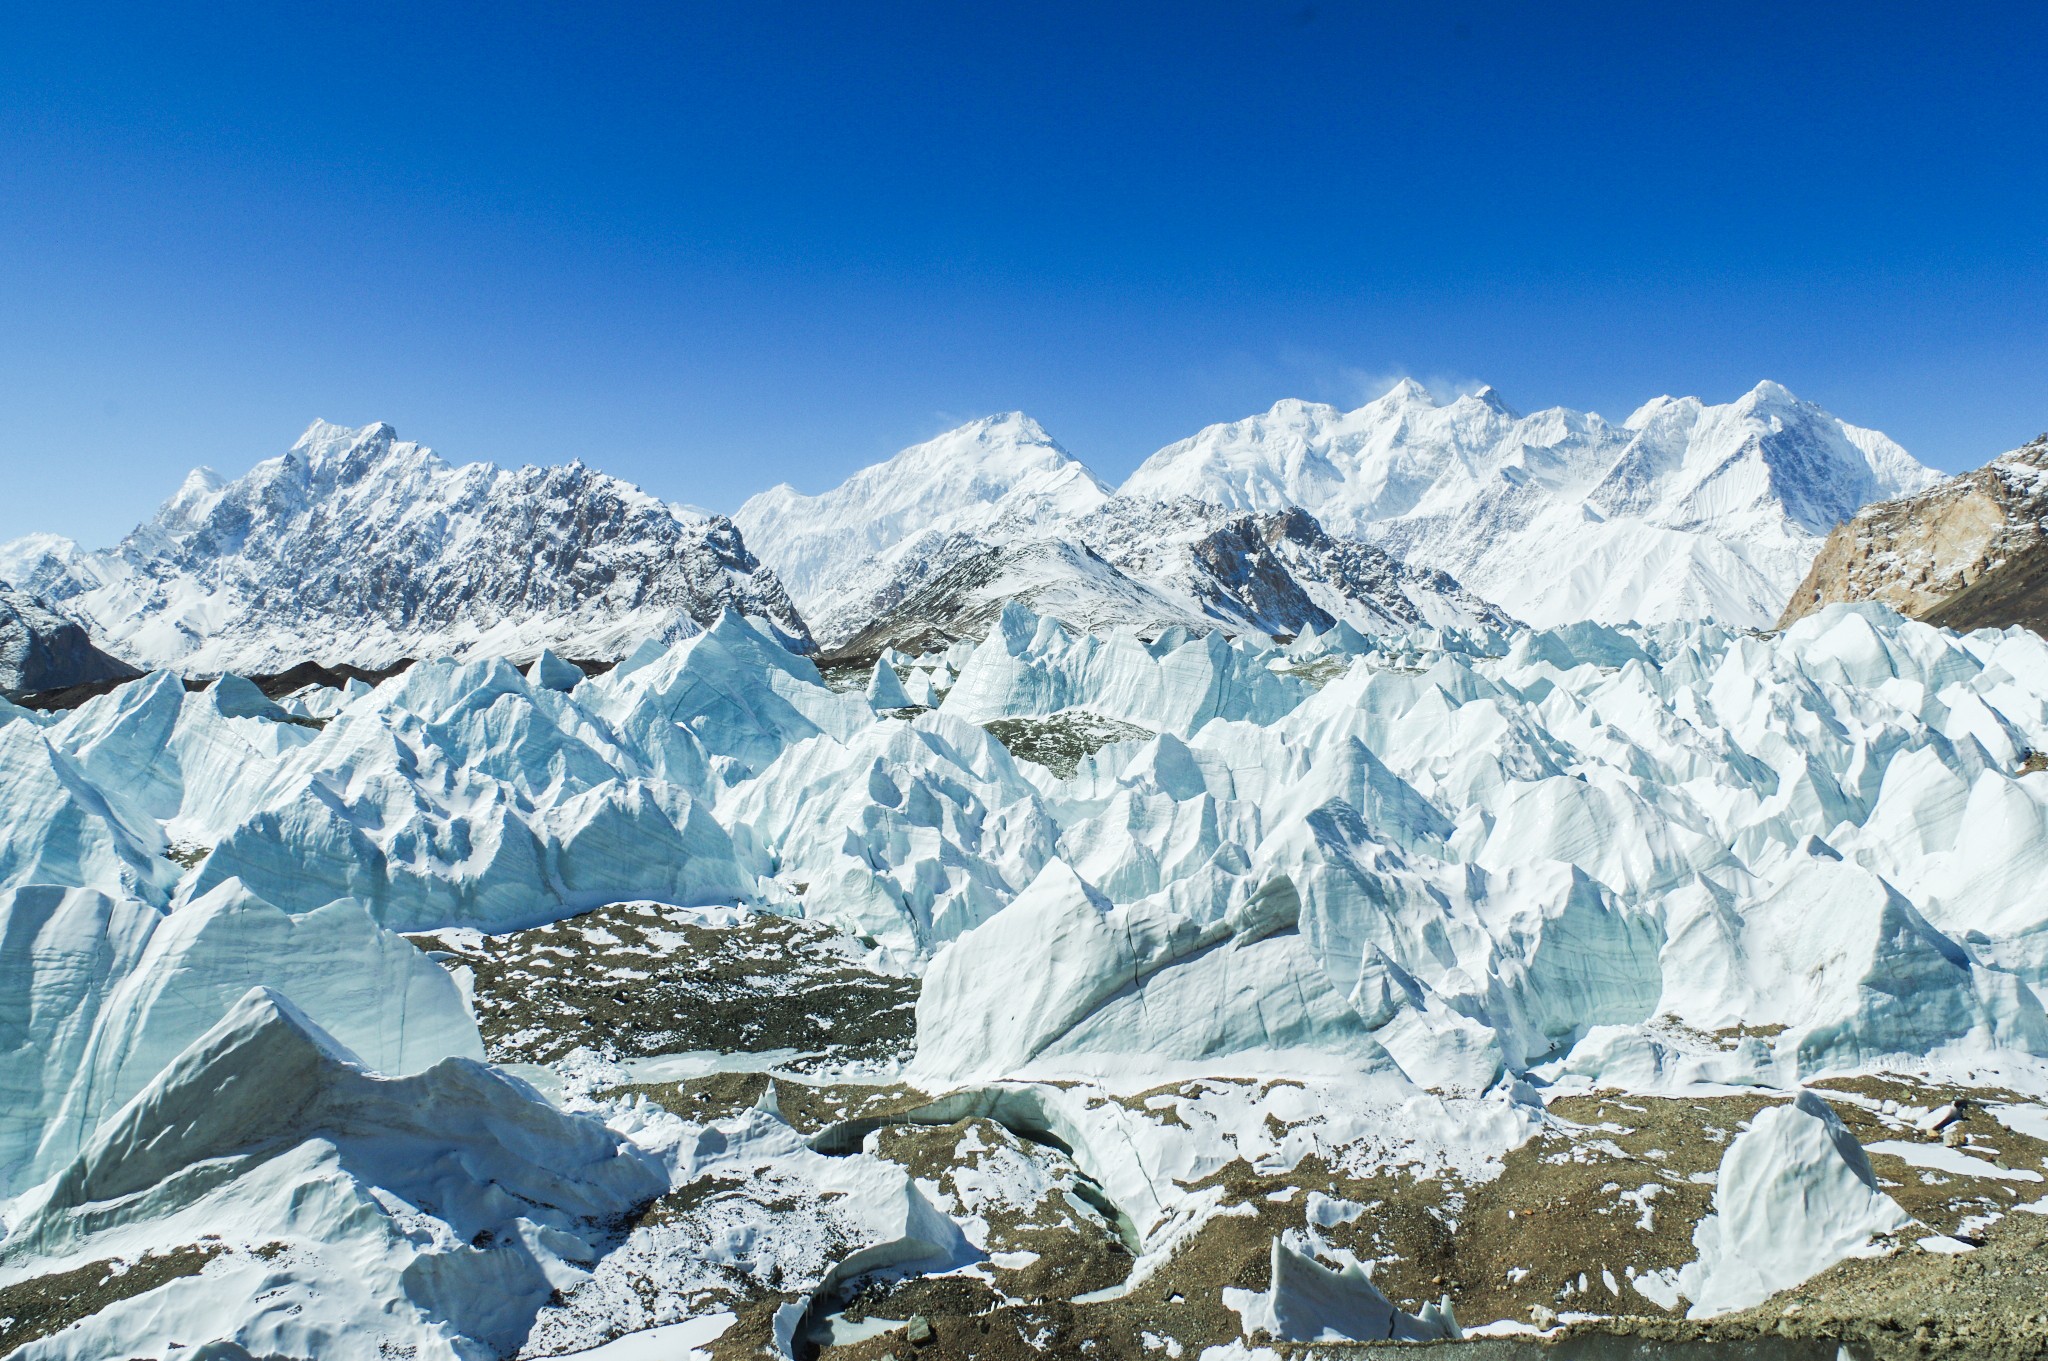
1967 553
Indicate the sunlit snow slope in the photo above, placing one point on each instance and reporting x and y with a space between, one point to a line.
963 482
1683 511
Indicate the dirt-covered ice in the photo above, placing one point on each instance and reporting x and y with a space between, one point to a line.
1496 981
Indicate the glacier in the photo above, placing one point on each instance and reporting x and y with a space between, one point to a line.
1374 902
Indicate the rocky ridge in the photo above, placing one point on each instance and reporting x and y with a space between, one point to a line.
1967 552
1146 565
41 649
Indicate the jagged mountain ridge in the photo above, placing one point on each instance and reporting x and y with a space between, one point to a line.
921 545
356 547
1149 566
1278 572
1969 552
1685 510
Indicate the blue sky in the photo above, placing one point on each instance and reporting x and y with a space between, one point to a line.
712 248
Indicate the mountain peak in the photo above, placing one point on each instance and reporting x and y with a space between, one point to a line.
325 437
1022 424
1715 510
1300 406
1768 393
359 547
962 481
199 482
1489 397
994 438
1407 392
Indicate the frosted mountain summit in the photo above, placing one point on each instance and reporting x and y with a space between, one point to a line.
359 547
929 544
965 481
1684 510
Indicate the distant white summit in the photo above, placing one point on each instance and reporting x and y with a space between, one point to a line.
1683 511
927 546
999 468
359 547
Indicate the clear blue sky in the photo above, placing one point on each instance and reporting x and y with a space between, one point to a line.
711 248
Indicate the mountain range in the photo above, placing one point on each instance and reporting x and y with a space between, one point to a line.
1122 981
357 547
1683 511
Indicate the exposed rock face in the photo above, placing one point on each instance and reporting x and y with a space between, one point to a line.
358 547
1966 553
1279 572
1152 566
960 590
41 649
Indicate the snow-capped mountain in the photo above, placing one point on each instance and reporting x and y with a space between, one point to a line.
41 649
928 544
358 547
1146 565
1000 468
1970 552
1684 510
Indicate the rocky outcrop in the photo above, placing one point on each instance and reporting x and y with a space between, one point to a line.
1151 565
1966 553
41 649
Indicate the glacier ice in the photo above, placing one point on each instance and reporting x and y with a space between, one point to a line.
434 1213
1795 1195
1495 849
1307 1301
107 990
1422 876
